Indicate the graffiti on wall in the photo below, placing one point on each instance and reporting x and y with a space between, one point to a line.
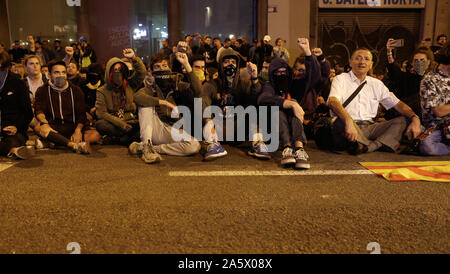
338 42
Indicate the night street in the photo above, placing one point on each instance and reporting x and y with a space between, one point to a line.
110 202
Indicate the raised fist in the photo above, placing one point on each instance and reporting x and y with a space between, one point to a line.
303 43
129 53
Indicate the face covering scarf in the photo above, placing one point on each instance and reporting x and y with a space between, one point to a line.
60 81
420 66
117 79
165 80
200 74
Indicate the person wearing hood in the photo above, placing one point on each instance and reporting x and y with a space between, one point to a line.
406 85
231 90
94 80
115 108
15 112
264 73
60 110
163 92
279 92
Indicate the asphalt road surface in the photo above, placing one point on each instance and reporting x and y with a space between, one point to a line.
110 202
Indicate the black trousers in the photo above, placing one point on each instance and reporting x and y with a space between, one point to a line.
291 129
7 142
65 131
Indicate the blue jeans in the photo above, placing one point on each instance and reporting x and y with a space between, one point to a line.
433 146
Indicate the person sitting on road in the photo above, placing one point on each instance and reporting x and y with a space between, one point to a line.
281 91
15 113
163 92
232 90
60 110
354 127
115 108
435 101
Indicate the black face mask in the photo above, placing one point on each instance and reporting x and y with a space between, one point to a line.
281 83
230 70
117 79
165 79
93 78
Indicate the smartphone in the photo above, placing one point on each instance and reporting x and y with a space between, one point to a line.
398 43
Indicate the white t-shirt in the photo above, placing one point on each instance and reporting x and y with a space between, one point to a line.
34 87
364 106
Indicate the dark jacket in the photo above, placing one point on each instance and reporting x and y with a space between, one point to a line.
15 105
271 97
63 107
243 91
183 95
406 86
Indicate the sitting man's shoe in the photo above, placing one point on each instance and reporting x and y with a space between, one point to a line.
149 155
22 153
356 148
301 159
136 148
108 140
260 151
215 151
83 148
41 144
288 157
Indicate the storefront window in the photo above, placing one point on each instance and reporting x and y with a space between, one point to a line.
221 19
45 20
148 23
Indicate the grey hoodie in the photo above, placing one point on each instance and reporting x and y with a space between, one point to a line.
104 102
244 92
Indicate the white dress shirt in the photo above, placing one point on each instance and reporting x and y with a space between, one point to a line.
364 106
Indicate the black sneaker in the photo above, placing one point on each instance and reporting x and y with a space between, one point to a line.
356 148
22 153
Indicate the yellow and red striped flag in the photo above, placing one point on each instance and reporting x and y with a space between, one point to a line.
411 171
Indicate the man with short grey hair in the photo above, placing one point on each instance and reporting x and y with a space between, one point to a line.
354 127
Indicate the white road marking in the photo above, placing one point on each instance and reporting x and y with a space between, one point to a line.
5 166
234 173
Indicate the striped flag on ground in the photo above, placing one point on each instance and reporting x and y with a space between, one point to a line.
411 171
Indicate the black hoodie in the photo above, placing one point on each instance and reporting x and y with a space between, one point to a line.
270 97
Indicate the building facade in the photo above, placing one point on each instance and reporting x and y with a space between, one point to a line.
337 26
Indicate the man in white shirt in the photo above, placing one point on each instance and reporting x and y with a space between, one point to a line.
354 127
33 81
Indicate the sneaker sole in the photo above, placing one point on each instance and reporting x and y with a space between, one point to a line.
302 166
157 160
288 162
260 156
216 156
24 153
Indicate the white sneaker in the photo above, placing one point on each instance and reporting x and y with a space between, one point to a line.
136 148
301 158
288 157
